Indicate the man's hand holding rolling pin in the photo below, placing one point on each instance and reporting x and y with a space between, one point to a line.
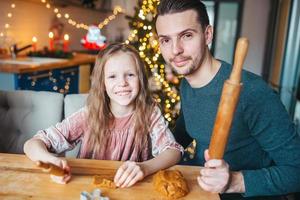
216 177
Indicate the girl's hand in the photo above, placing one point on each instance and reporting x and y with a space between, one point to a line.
62 163
128 174
215 176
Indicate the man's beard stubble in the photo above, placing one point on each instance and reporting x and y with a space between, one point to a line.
191 69
194 66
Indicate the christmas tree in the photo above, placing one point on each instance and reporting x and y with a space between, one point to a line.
162 81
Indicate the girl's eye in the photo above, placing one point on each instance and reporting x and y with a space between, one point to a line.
111 76
131 74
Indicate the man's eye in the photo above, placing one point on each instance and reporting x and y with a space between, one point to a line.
164 41
187 36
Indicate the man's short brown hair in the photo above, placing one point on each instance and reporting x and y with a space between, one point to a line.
176 6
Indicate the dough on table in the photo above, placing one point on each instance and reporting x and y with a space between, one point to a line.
170 183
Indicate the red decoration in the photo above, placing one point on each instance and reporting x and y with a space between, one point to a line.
93 40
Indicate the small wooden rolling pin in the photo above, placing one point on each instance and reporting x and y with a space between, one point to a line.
51 169
229 99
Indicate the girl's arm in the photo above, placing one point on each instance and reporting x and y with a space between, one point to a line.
36 150
166 152
166 159
58 138
131 172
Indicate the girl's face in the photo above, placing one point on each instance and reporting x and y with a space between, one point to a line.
121 82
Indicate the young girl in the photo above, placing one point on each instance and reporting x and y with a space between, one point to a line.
120 122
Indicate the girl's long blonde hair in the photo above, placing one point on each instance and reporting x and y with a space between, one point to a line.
98 103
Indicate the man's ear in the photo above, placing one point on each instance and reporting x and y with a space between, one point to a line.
209 31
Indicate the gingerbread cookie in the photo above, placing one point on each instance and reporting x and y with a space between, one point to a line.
51 169
103 182
170 183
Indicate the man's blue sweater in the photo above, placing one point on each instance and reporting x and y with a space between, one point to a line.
263 143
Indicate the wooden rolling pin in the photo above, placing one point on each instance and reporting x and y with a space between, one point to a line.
51 169
229 99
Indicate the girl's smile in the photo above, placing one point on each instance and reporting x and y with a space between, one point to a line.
123 92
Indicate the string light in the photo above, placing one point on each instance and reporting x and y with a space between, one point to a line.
66 37
59 83
116 11
150 53
34 39
7 24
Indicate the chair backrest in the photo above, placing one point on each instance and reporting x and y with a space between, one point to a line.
23 113
73 102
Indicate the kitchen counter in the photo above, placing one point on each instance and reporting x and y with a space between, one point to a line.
77 60
67 76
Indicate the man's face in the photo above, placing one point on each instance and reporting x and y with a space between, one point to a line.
182 41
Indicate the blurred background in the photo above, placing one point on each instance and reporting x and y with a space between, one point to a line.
87 26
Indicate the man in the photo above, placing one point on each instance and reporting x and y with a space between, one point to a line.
262 157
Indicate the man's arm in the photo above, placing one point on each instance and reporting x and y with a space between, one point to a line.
272 128
180 133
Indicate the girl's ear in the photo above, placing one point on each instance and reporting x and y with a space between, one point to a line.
208 33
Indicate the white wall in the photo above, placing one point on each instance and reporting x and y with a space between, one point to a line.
120 26
254 26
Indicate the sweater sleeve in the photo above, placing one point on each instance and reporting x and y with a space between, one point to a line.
271 126
161 136
66 134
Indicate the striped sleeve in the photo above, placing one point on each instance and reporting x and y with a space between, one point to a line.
161 136
66 134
